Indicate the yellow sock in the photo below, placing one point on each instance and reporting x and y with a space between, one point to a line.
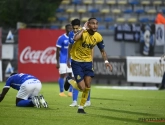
84 96
74 84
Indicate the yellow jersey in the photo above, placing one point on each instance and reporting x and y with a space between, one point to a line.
82 49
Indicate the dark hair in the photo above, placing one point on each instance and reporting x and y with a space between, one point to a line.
67 25
75 22
13 74
92 18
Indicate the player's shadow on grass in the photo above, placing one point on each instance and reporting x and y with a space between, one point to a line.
124 111
106 99
124 120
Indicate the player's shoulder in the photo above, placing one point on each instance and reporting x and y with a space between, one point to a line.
98 36
71 33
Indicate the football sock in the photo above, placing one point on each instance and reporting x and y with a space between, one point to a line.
84 96
25 103
70 89
74 84
75 94
89 96
61 84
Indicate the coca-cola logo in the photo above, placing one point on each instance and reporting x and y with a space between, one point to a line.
47 56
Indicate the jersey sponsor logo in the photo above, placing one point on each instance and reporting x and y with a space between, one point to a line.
47 56
10 38
85 45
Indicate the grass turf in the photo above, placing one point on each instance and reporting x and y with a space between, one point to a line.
109 107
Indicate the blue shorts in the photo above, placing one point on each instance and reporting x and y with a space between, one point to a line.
81 69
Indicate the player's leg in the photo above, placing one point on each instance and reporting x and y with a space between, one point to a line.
87 81
23 94
88 74
74 97
88 102
69 71
35 94
62 72
162 86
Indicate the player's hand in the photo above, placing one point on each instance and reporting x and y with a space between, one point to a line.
68 64
57 65
86 25
108 65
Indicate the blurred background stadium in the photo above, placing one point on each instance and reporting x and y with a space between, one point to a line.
122 23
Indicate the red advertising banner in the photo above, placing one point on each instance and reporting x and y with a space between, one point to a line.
37 53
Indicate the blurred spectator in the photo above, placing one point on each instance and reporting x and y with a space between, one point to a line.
160 19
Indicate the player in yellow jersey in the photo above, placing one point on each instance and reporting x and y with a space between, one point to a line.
81 55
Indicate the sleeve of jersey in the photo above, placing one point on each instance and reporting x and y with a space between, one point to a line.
100 45
8 82
59 42
71 35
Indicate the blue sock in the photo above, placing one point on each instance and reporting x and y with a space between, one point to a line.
61 84
75 94
89 97
25 103
70 88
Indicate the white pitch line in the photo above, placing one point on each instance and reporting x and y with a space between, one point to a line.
127 87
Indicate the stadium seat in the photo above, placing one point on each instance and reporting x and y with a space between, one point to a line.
161 9
85 17
110 2
139 9
122 2
62 17
132 20
120 20
143 18
115 10
87 2
66 2
104 9
127 9
101 27
81 8
133 2
99 2
145 2
74 16
61 8
70 9
108 19
76 2
150 9
157 2
92 9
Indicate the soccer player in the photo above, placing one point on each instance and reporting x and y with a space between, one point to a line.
28 88
61 57
76 27
81 63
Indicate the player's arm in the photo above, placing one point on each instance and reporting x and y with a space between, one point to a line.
6 88
104 55
58 45
4 91
78 35
69 57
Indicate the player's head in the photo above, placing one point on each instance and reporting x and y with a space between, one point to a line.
92 24
13 74
75 25
68 28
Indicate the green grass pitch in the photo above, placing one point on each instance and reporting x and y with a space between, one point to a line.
109 107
